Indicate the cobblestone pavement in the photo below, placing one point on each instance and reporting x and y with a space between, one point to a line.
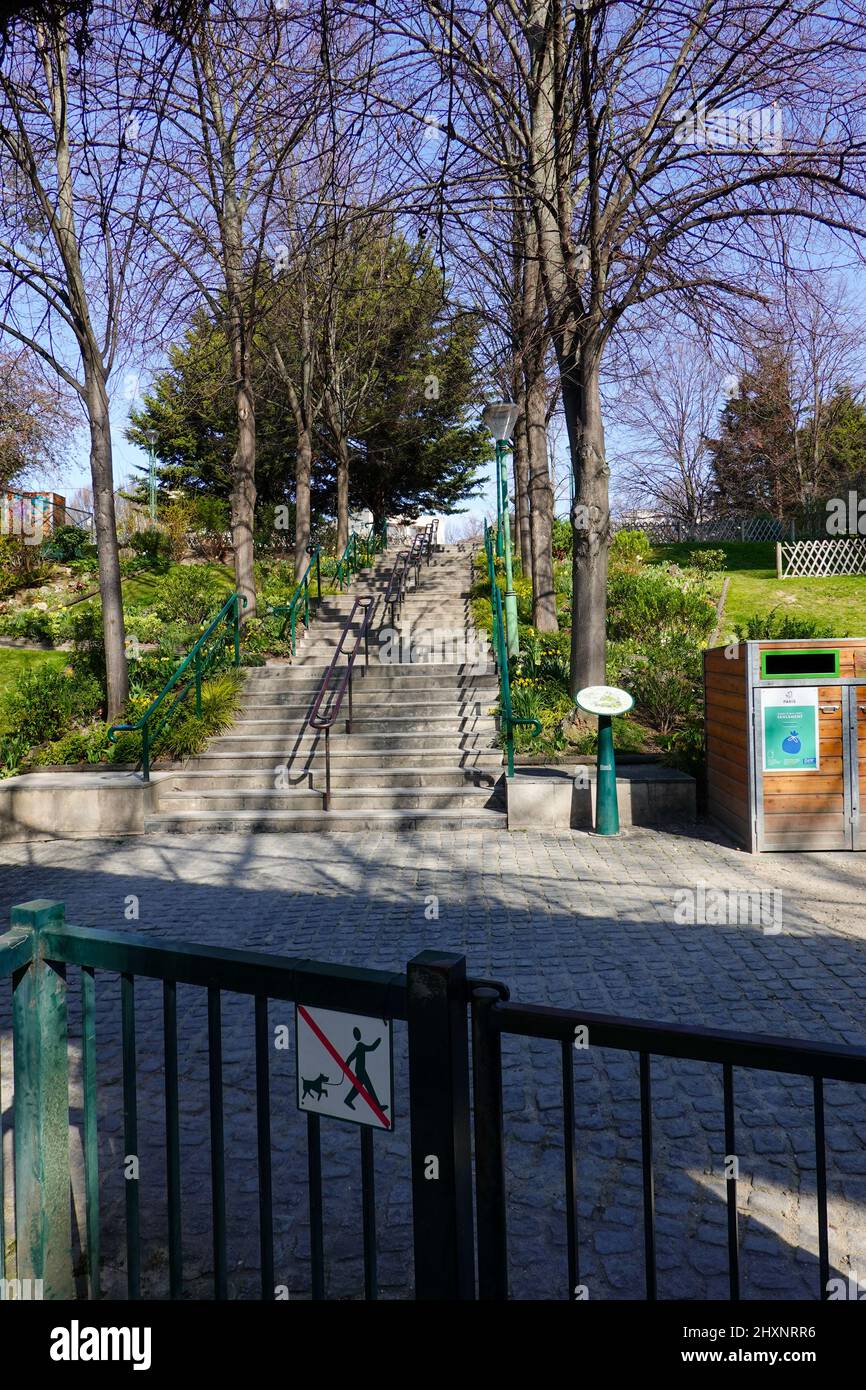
565 919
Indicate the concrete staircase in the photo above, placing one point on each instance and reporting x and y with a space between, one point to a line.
422 753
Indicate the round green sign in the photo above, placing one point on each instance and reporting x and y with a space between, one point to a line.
603 699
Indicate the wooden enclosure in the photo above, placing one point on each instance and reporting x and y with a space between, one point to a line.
785 728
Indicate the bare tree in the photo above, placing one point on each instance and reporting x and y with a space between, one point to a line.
243 97
656 171
36 422
672 406
70 248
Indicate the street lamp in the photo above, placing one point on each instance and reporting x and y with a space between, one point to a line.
499 419
151 437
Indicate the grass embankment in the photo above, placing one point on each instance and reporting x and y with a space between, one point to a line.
838 603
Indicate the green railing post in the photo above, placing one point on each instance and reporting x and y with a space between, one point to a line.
237 629
43 1225
318 577
145 752
198 683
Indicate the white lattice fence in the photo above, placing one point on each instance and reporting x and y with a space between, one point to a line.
821 559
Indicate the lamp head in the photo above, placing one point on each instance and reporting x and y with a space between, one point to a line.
499 418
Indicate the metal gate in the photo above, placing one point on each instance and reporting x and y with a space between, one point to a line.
459 1243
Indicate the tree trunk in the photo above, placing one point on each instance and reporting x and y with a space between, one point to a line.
101 473
243 498
541 503
303 471
521 484
342 493
590 518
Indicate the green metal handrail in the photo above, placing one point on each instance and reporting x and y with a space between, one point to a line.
301 595
360 550
500 651
348 562
228 614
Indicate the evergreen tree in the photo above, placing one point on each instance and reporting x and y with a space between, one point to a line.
754 458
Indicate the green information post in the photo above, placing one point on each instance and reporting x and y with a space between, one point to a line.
605 701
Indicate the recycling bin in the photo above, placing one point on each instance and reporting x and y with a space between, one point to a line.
785 737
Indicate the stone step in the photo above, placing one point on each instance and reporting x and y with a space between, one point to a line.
293 684
372 705
440 672
346 799
365 722
346 758
264 778
250 822
380 741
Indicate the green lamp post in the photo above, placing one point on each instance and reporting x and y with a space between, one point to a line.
499 419
150 436
605 701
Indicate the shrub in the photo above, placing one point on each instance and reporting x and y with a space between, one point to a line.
176 639
654 600
21 565
80 746
708 561
32 624
665 680
561 539
66 543
87 562
190 594
85 632
211 525
142 626
630 549
178 519
152 547
774 625
40 703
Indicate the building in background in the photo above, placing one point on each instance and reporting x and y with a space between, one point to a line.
31 514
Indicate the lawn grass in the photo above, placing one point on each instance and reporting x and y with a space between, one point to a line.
14 661
145 588
838 604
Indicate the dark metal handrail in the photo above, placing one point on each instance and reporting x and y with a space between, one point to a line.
324 723
396 590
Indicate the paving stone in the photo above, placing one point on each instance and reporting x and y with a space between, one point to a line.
562 919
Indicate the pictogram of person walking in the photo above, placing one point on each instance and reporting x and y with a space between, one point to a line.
357 1063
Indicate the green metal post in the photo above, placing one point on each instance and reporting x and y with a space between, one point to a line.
145 752
498 500
606 809
197 664
91 1139
502 452
42 1209
237 627
151 484
318 577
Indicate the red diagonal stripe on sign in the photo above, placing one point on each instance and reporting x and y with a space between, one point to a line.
342 1065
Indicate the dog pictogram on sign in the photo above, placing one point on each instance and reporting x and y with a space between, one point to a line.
345 1066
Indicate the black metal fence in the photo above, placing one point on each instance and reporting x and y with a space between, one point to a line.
456 1154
